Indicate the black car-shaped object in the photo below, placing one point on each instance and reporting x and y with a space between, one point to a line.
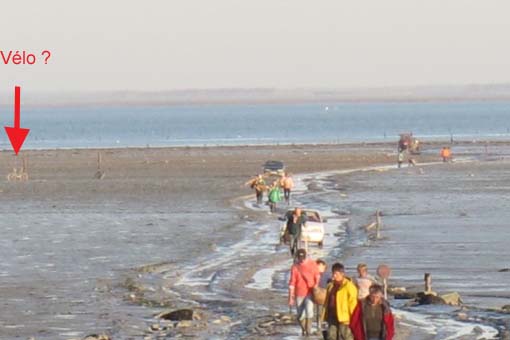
274 167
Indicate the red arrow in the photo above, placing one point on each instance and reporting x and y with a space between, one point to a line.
16 134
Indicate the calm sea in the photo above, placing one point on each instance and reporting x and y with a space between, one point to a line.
259 124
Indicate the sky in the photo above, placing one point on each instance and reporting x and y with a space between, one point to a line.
188 44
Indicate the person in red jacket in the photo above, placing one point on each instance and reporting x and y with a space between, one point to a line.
372 318
304 276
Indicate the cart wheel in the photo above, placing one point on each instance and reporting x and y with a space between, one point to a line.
11 177
24 177
321 243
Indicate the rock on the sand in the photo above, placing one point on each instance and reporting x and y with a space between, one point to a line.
225 318
267 324
97 337
429 299
287 319
156 327
462 316
405 295
452 299
177 315
184 324
478 330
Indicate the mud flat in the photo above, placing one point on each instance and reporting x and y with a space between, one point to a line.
450 220
167 229
71 243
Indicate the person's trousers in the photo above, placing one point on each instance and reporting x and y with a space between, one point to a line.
286 194
304 307
293 244
259 195
339 331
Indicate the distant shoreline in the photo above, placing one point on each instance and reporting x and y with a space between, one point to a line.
266 146
268 96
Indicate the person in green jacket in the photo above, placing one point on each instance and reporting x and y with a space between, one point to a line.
274 196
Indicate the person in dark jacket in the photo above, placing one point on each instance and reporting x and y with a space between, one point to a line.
295 221
372 319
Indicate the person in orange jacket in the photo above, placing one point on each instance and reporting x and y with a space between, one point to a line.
259 185
372 318
287 184
446 154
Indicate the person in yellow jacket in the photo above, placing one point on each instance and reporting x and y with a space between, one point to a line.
341 300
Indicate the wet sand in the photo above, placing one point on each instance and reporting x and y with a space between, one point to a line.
69 240
76 249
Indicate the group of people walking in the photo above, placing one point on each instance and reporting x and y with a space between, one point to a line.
401 156
445 153
284 185
354 309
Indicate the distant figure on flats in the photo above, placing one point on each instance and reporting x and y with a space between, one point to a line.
274 196
400 159
411 162
287 184
446 154
304 276
372 318
259 185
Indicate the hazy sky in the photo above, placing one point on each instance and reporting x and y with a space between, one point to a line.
165 45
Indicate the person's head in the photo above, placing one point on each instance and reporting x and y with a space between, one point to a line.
362 270
301 255
259 176
338 272
297 212
376 294
321 265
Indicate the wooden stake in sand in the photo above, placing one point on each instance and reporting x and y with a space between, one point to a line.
378 224
428 283
99 173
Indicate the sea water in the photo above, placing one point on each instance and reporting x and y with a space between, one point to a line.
82 127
